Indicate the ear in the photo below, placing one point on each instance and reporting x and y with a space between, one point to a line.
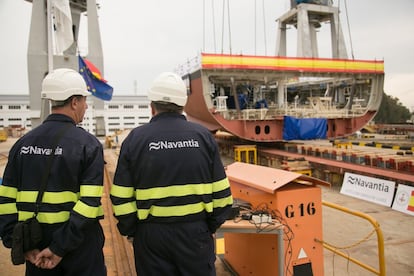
153 110
74 103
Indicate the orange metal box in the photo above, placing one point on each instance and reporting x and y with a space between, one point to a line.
296 201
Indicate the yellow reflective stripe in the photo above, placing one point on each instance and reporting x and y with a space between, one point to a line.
48 197
171 211
221 185
51 218
91 191
121 191
6 191
26 196
86 210
222 202
60 197
100 211
182 190
124 209
23 215
8 208
46 217
176 190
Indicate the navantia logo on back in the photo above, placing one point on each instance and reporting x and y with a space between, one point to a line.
35 150
162 145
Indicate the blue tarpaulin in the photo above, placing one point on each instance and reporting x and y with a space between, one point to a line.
304 129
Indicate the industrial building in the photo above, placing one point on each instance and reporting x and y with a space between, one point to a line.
122 112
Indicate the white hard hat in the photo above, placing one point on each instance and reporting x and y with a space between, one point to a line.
63 83
168 87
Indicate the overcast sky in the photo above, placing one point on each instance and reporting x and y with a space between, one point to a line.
143 38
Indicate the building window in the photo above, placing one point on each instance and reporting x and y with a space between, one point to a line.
129 118
113 118
111 106
143 106
14 106
128 106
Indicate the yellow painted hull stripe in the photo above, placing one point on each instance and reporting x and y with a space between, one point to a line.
215 61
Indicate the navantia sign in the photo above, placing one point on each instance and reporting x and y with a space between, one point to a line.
372 189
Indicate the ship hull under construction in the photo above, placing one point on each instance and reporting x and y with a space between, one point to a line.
269 98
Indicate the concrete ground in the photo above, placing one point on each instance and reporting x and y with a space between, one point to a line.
339 229
344 230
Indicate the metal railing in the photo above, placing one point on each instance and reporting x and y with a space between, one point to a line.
380 240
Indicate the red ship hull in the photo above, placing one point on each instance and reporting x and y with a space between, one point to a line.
220 80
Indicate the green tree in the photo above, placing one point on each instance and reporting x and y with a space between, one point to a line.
392 111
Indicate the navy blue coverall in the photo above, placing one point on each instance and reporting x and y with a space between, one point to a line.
171 193
71 206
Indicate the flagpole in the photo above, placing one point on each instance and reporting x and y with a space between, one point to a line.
44 104
49 36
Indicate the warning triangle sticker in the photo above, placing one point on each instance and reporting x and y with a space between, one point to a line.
302 254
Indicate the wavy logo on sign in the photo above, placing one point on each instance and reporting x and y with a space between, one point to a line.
162 145
351 179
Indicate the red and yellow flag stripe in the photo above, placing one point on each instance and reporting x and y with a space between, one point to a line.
410 206
219 61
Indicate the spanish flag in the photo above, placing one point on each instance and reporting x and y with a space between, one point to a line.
94 81
94 70
410 206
